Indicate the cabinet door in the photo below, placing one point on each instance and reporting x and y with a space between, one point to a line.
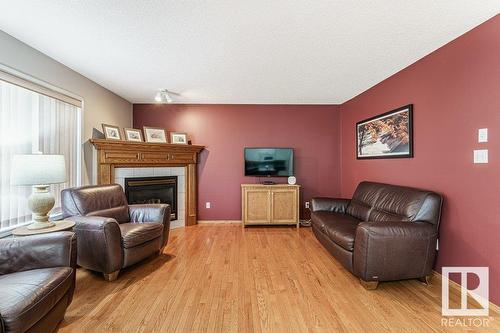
257 208
284 206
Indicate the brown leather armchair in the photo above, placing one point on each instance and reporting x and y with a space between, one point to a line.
384 233
112 234
37 281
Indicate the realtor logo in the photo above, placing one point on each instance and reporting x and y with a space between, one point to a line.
479 294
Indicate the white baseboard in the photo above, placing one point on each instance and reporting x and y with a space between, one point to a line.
219 221
177 224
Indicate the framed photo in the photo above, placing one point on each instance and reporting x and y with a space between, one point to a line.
178 138
155 134
389 135
111 132
132 134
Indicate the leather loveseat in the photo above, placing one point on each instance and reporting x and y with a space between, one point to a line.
384 233
111 233
37 281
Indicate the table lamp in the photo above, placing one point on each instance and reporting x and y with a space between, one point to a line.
40 171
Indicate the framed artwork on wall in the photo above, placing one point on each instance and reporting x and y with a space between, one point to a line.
111 132
388 135
155 134
178 138
133 134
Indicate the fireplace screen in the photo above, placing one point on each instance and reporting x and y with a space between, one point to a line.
153 190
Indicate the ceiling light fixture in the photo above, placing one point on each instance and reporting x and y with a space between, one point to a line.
162 96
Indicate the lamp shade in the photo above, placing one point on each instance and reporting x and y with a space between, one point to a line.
38 169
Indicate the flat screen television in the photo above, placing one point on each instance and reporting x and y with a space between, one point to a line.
269 162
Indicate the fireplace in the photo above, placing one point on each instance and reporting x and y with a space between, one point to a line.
153 190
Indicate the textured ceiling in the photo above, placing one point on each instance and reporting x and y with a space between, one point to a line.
252 51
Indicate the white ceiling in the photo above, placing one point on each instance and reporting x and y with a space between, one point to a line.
240 51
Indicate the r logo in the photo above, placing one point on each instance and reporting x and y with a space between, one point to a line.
480 294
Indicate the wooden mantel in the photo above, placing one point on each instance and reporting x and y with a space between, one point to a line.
126 154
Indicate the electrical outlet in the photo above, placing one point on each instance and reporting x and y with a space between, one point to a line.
207 205
307 204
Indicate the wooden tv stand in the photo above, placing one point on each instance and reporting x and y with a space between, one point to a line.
269 204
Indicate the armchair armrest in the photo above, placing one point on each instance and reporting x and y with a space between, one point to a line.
149 212
152 213
56 249
99 243
385 251
329 204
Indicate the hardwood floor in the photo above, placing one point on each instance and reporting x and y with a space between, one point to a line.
223 278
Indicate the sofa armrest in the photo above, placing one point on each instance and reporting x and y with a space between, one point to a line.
386 251
329 205
57 249
152 213
99 243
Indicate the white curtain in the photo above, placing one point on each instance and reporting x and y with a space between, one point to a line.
31 122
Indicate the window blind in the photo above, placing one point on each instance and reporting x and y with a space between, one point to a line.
35 120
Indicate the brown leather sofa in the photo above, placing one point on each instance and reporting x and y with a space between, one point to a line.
37 281
112 234
384 233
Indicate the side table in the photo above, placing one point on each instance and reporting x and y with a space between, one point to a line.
64 225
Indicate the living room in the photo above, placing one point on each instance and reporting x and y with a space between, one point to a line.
248 166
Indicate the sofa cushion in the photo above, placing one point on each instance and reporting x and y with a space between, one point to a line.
28 296
397 203
363 200
134 234
384 202
340 228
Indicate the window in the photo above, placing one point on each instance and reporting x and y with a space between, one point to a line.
34 119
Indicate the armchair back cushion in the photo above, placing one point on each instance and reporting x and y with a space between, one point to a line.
105 201
377 202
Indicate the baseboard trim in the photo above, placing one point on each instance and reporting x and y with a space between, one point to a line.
177 224
219 221
456 286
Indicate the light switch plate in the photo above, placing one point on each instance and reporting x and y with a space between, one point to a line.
208 205
481 156
482 135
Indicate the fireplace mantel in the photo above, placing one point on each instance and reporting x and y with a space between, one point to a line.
126 154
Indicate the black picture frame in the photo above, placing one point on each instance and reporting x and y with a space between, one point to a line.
401 149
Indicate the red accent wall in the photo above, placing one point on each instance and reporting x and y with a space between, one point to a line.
312 130
455 91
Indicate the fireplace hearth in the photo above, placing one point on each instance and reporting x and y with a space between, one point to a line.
153 190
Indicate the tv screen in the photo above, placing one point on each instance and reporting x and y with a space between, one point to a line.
269 162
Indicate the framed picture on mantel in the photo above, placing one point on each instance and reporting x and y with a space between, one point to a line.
155 134
389 135
111 132
132 134
178 138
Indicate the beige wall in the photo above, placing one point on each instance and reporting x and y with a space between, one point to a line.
100 104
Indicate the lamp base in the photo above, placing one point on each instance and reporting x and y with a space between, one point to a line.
40 202
40 225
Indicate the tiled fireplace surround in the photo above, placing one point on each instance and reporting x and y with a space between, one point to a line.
122 173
